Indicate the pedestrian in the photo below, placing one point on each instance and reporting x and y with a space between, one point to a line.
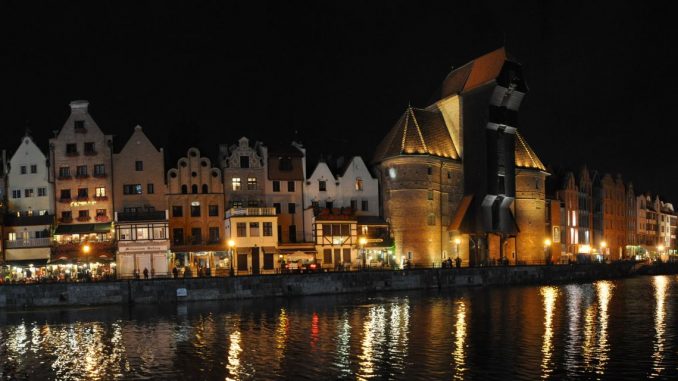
145 273
175 272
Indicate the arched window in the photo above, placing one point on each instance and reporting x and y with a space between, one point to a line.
204 188
194 189
184 189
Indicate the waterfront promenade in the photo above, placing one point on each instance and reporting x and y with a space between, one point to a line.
286 285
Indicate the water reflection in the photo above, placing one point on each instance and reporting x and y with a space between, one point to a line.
373 339
604 289
234 351
573 346
459 354
550 294
660 286
343 342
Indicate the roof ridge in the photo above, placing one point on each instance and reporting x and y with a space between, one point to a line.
407 118
421 136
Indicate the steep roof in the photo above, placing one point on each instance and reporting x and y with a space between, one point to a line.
475 73
417 132
525 156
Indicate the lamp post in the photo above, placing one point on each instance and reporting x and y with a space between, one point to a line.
231 244
86 249
457 261
547 254
660 249
603 245
362 241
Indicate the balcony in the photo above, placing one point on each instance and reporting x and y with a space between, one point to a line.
158 215
84 218
102 218
66 220
30 242
244 212
74 249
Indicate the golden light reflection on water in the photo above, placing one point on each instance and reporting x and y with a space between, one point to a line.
373 337
549 294
281 332
604 289
459 354
234 351
572 349
660 287
399 334
343 340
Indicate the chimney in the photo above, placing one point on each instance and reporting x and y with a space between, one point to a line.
80 106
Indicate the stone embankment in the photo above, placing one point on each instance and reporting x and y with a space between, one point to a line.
205 289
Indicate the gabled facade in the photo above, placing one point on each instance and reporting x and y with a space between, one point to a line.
195 198
335 233
244 174
30 207
141 219
252 239
283 188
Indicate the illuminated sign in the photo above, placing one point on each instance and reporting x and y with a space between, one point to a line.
83 203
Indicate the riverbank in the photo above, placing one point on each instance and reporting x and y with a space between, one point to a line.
208 289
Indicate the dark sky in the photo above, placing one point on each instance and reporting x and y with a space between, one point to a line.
340 73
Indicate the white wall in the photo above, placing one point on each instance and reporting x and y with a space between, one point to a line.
28 154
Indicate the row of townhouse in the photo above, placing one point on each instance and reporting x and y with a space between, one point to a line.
85 208
596 213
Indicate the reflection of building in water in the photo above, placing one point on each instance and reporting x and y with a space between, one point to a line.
373 339
660 288
573 347
550 294
459 354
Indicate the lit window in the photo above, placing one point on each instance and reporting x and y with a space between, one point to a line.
251 183
235 183
358 184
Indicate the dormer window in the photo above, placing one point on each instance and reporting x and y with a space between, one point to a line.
322 185
285 164
244 161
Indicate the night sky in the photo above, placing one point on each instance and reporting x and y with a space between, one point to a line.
338 74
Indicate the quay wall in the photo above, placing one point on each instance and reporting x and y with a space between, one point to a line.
286 285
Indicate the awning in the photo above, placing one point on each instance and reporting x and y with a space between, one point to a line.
27 262
83 228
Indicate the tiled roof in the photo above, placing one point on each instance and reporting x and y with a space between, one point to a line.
475 73
417 132
525 156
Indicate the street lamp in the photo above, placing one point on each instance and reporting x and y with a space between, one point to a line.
603 245
231 244
362 241
660 249
457 261
547 254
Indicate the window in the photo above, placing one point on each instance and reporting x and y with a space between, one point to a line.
329 205
42 192
205 189
242 262
293 233
150 189
79 125
291 208
194 189
327 255
65 194
290 186
142 232
236 204
285 164
244 162
178 236
131 189
34 168
16 193
81 171
66 216
28 192
159 232
83 214
89 148
177 211
430 194
82 193
64 172
101 212
358 184
235 183
251 183
354 205
195 210
12 236
315 204
23 169
429 170
276 186
252 203
241 229
214 234
196 235
347 255
277 207
268 261
100 192
99 170
213 210
138 165
431 220
364 206
254 229
322 185
71 149
268 229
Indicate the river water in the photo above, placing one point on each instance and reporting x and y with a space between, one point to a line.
610 330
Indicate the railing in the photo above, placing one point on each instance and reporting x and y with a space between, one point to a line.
235 212
31 242
84 218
